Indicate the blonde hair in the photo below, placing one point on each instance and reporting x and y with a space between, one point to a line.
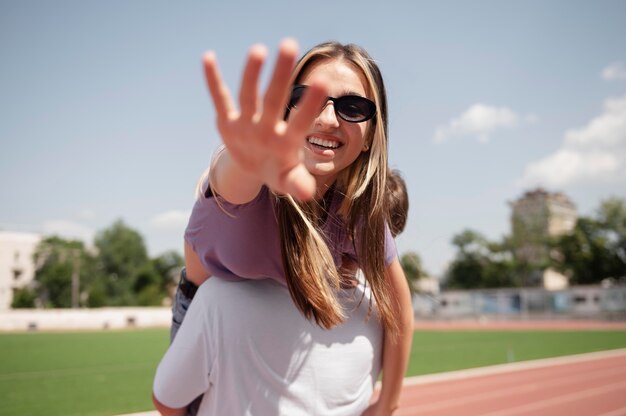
311 275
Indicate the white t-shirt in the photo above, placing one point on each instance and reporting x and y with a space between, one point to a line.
250 351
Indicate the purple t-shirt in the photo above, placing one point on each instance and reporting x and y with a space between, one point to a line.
246 244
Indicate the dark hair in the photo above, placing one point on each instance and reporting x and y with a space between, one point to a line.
397 202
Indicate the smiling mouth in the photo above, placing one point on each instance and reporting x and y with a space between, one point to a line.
323 143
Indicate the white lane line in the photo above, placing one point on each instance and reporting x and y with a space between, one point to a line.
570 397
616 412
505 368
509 391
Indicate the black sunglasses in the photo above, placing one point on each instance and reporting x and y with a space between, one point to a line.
351 108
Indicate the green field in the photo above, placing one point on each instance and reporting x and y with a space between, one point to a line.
107 373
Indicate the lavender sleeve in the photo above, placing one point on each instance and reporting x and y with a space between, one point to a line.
237 241
391 252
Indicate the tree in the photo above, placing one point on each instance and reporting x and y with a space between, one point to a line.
594 250
168 266
465 272
612 217
153 281
470 242
480 263
413 270
118 274
121 256
467 269
56 260
147 286
24 298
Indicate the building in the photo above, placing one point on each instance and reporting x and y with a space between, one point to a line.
17 267
537 217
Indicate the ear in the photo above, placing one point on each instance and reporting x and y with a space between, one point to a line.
366 147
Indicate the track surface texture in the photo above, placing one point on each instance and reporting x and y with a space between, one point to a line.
582 385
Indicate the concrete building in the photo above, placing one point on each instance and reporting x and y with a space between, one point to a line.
17 268
536 217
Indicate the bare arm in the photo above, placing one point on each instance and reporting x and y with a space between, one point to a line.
395 352
260 147
196 273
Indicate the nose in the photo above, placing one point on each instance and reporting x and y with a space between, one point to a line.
328 117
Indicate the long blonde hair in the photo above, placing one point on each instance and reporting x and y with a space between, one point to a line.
311 275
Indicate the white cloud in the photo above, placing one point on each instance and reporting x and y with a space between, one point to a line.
613 72
174 219
480 121
596 152
69 229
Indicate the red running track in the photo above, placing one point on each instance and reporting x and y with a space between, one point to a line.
584 385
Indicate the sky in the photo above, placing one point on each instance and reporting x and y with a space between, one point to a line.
104 112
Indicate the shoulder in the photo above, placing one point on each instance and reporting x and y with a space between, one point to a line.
210 207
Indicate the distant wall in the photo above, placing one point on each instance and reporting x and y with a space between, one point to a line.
578 302
77 319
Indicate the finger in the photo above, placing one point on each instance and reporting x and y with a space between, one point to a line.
300 120
249 93
219 91
278 89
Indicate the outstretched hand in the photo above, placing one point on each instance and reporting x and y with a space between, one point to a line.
257 138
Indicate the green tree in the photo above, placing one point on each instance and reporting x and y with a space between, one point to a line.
467 269
168 266
97 294
480 263
147 286
612 217
154 280
122 257
470 242
24 298
465 272
596 248
56 259
413 269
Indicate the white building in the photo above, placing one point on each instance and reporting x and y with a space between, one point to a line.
535 218
17 267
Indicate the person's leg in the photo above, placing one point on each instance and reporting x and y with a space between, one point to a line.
184 295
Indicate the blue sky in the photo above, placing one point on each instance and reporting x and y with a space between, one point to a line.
104 112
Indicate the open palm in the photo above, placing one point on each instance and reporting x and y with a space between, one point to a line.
256 136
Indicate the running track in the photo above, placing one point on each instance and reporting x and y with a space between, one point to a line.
583 385
580 385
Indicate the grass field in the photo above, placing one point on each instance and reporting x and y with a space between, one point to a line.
108 373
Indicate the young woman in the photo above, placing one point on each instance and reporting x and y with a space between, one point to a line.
289 196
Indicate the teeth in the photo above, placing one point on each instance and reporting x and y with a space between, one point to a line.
324 143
